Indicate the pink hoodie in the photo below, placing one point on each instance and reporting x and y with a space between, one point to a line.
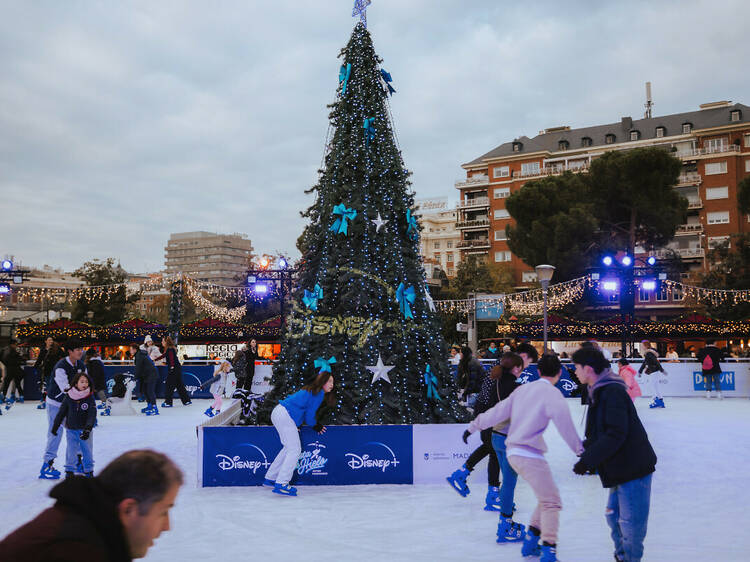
530 409
628 375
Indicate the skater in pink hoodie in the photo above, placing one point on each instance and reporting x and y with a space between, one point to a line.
529 409
627 373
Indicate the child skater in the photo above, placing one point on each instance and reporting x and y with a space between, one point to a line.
286 417
218 383
78 409
627 373
529 409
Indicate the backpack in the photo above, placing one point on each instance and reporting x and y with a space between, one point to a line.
708 363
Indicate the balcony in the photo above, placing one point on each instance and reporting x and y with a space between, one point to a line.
690 178
551 171
482 243
688 229
685 253
695 203
475 224
707 151
473 181
476 202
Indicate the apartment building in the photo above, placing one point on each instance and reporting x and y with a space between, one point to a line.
713 144
439 239
208 256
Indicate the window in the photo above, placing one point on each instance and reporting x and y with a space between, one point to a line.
528 277
450 258
502 256
644 296
635 135
677 293
687 127
747 139
719 217
502 192
528 168
500 235
563 145
501 172
586 141
660 132
609 139
517 146
662 294
735 115
713 168
501 214
716 145
714 241
436 257
437 245
449 244
717 193
747 165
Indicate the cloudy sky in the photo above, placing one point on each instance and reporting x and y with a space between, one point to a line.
122 122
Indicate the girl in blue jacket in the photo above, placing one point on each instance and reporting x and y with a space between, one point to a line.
78 409
287 416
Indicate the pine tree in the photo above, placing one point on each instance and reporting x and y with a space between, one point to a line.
361 291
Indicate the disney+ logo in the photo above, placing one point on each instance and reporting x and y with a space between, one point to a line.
236 462
357 462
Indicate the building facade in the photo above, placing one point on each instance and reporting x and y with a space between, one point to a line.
713 144
207 256
440 238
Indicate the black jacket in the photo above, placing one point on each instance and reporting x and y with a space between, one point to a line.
95 369
471 379
616 443
716 356
144 366
250 357
78 414
494 390
650 363
83 525
13 362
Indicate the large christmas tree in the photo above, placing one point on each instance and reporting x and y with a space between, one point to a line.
361 309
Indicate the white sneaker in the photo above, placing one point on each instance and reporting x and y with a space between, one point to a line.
720 395
708 395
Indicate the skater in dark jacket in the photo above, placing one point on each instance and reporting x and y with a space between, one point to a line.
616 446
114 517
470 376
251 355
174 374
95 369
78 409
146 372
496 387
13 373
709 357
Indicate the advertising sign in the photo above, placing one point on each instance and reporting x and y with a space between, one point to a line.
343 455
726 381
490 307
439 450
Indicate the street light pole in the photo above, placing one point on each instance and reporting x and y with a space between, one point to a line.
544 275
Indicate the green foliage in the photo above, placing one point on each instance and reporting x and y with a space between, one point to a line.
729 269
627 199
743 195
108 307
358 318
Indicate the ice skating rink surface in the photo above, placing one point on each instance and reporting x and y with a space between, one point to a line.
699 504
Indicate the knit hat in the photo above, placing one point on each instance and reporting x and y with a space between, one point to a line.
148 339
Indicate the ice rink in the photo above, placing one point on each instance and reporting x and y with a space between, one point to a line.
700 503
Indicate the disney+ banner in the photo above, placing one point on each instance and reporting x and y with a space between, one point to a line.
343 455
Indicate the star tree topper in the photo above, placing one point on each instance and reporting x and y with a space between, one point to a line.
380 371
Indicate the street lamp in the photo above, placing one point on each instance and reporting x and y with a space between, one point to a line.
544 275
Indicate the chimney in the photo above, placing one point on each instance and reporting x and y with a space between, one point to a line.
627 123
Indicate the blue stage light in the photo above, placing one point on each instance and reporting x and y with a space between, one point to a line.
651 260
610 285
7 265
648 285
4 288
607 260
260 289
282 263
626 260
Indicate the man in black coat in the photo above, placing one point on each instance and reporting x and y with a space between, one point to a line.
618 449
13 371
709 357
114 517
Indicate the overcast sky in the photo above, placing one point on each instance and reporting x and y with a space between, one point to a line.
123 122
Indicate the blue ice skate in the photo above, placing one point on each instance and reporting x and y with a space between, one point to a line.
146 409
165 405
42 406
549 553
492 499
284 490
657 403
101 406
107 411
531 545
268 482
209 412
509 531
458 481
152 411
20 400
9 402
48 471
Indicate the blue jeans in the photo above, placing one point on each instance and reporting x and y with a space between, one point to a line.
708 379
510 477
627 516
77 445
53 441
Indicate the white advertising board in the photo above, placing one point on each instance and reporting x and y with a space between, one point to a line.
439 450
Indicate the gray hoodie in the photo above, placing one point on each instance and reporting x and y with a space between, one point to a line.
606 377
